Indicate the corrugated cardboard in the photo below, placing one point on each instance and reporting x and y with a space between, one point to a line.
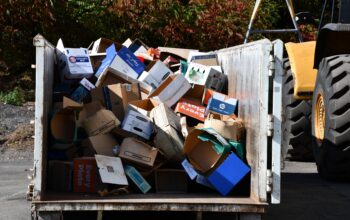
137 123
190 103
171 181
110 77
97 120
207 59
100 46
221 104
143 106
204 149
73 63
168 138
171 90
82 93
111 170
103 144
137 178
155 73
116 97
84 175
63 124
228 174
60 176
231 129
136 151
206 76
177 51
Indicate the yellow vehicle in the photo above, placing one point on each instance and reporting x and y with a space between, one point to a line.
316 91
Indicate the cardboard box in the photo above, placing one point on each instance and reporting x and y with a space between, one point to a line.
60 176
122 60
171 90
63 124
181 52
111 170
204 75
168 138
138 123
73 63
117 96
231 129
137 178
143 106
138 152
207 59
110 76
97 120
165 181
190 103
228 174
221 104
205 148
103 144
84 175
100 46
137 47
155 73
82 93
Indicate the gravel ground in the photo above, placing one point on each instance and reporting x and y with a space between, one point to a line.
16 132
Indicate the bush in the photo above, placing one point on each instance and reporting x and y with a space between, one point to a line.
15 97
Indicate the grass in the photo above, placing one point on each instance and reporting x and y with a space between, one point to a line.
14 97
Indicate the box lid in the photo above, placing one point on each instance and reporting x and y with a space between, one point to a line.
111 170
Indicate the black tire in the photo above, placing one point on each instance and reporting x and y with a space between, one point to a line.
296 126
332 153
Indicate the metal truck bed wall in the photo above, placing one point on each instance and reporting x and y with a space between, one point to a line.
254 71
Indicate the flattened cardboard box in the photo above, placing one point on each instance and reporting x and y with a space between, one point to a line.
171 90
111 170
137 178
138 123
231 129
117 96
103 144
84 179
168 138
138 152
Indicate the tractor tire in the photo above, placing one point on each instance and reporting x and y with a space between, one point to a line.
296 126
331 118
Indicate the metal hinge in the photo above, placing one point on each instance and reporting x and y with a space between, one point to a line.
30 191
269 125
268 181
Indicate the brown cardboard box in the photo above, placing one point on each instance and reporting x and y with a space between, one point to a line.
103 144
231 129
138 123
63 124
117 96
168 138
100 45
143 106
205 148
171 181
110 76
136 151
97 120
60 176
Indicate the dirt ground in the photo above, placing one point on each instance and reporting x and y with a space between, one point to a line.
16 132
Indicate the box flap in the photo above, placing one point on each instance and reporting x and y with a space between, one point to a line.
103 144
100 123
111 170
71 104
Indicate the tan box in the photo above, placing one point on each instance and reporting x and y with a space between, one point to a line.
138 152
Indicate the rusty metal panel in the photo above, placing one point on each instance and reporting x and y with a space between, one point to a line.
247 68
43 102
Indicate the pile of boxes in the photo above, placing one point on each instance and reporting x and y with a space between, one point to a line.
148 120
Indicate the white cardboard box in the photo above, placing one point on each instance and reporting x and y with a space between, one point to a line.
138 123
171 90
73 63
111 170
155 74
